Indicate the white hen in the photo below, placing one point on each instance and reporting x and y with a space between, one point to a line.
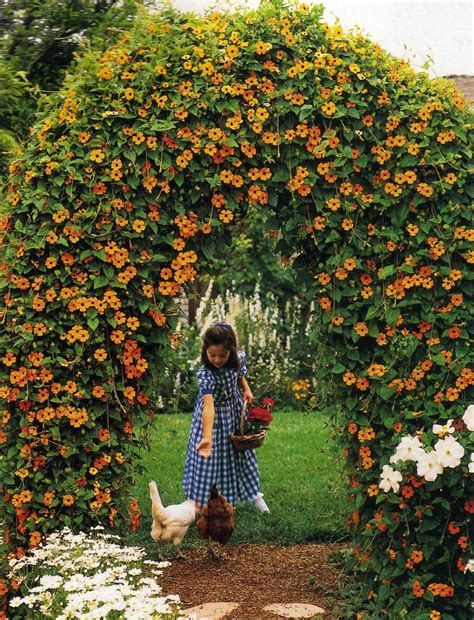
170 524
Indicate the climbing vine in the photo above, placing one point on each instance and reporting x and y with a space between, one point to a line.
131 179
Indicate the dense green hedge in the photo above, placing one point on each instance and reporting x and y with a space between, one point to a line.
132 178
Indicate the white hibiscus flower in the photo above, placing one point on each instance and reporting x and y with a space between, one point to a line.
429 466
443 429
409 449
390 479
449 452
468 418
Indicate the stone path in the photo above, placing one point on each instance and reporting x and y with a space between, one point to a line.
219 611
257 582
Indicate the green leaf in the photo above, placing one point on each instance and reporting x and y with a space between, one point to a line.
101 281
305 111
131 155
385 393
162 125
374 311
391 316
282 174
93 322
209 250
387 271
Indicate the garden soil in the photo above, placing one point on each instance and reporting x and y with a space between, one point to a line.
255 576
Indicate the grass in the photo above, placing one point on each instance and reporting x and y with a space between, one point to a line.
300 474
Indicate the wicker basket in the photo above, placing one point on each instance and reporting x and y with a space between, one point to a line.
246 442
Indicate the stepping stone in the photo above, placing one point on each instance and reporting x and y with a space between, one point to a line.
210 611
295 610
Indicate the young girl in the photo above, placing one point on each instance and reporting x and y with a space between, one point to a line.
210 457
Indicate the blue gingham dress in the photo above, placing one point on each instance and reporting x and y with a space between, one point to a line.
234 473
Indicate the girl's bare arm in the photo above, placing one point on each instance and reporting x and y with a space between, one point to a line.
246 389
204 447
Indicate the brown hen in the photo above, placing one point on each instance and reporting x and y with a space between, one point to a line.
217 521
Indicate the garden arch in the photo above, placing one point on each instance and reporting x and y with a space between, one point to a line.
174 131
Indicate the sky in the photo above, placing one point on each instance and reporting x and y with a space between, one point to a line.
415 31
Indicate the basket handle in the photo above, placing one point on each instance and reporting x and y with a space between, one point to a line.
242 416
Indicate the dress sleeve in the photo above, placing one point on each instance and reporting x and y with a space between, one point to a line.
206 380
243 364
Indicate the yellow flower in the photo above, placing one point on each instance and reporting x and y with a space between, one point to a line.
97 155
138 225
329 108
262 48
105 73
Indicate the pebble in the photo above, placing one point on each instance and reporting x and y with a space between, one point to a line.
294 610
210 611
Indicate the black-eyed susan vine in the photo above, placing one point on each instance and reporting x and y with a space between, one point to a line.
129 180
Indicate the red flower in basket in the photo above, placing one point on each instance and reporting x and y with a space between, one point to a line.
258 418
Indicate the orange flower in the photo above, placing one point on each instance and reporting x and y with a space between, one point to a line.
349 378
117 336
68 500
129 393
362 384
347 224
9 359
361 329
104 434
325 303
138 225
453 528
417 589
319 223
100 354
454 333
226 216
97 155
35 539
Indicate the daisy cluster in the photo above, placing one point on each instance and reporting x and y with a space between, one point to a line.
90 576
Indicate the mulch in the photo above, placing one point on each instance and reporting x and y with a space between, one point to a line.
256 576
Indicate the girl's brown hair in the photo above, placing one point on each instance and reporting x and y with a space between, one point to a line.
220 333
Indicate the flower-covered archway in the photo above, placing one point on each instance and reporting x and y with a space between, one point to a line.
156 146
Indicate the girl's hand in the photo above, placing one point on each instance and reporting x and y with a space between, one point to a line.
248 396
204 447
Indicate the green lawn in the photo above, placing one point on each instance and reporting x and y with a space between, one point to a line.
300 472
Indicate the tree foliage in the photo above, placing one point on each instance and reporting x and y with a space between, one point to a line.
37 44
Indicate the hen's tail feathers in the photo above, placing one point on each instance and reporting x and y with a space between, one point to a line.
157 508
